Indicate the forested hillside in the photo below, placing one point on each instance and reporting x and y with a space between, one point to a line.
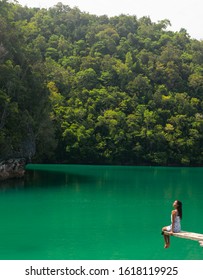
81 88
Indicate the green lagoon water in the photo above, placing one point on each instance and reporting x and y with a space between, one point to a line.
76 212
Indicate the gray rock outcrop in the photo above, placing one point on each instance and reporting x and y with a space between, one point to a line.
12 168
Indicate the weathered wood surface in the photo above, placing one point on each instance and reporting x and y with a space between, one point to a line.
188 235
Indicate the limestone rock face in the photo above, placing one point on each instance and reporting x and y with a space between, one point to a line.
12 168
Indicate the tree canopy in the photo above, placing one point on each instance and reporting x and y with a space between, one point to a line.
81 88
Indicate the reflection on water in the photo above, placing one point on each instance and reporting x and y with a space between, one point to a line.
98 212
12 184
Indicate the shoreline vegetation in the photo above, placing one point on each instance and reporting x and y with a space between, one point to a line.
77 88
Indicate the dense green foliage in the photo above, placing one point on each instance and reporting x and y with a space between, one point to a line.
79 88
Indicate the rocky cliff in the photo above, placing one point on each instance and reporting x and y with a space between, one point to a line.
12 168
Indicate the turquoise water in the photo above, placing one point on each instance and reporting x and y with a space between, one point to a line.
99 212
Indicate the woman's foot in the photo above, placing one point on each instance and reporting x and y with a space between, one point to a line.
166 245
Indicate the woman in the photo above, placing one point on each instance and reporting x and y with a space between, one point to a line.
175 226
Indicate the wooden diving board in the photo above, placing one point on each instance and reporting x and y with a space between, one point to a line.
188 235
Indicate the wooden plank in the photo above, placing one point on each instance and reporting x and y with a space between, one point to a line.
188 235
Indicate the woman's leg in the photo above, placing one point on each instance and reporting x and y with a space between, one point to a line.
166 238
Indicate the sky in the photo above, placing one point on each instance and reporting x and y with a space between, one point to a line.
187 14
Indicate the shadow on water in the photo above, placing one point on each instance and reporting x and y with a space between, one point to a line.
12 184
46 179
55 179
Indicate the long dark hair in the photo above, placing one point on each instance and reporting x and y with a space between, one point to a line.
179 208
